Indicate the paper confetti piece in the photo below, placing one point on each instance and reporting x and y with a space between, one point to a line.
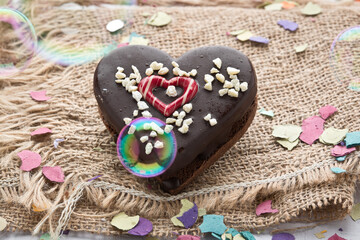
288 132
320 235
45 236
213 223
238 237
327 111
201 212
352 139
287 144
269 113
339 151
355 212
337 170
39 96
189 217
265 207
247 235
54 174
283 236
186 206
137 39
216 236
301 48
258 39
125 222
187 237
29 159
273 7
340 159
159 19
3 223
143 228
237 32
312 128
288 5
333 136
288 25
244 36
311 9
226 236
57 141
115 25
41 131
336 237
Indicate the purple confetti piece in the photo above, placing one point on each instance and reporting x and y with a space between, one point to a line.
288 25
283 236
189 217
340 229
259 40
65 232
142 228
94 178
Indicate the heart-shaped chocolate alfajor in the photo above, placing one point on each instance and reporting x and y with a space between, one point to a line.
208 96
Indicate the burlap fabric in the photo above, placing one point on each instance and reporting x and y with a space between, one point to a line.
299 182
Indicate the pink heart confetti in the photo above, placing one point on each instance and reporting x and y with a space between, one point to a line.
336 237
40 131
39 96
265 207
54 174
188 237
327 111
29 159
312 128
339 151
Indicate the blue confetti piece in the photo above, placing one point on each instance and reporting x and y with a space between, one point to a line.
213 223
340 159
269 113
247 235
232 231
288 25
259 39
215 235
352 139
337 170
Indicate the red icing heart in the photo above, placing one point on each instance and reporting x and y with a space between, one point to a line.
147 85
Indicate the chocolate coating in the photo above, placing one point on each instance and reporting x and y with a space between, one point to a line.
202 140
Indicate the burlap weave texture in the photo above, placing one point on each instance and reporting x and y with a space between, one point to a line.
295 86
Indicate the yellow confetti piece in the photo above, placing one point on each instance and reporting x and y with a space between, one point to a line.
3 223
301 48
159 19
139 41
39 209
288 132
273 7
238 237
124 222
237 32
311 9
244 36
201 212
145 14
320 235
186 205
333 136
355 212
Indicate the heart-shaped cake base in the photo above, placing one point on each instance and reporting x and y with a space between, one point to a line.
208 125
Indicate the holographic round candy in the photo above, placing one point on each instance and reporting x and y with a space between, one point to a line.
132 151
18 41
345 58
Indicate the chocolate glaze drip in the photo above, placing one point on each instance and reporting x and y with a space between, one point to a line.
116 103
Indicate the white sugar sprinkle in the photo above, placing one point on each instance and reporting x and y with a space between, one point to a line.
227 84
153 134
244 86
146 114
208 78
188 121
214 70
120 75
220 77
136 95
144 139
175 64
178 122
176 113
147 126
193 72
233 93
171 91
182 114
158 144
188 107
163 71
168 128
213 122
148 148
132 129
183 129
207 117
170 120
149 71
127 120
217 62
223 91
232 71
142 105
208 86
135 113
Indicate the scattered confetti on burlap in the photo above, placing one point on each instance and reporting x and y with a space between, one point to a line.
299 182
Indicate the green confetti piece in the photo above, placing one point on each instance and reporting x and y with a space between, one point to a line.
352 139
125 222
287 144
301 48
186 206
333 136
244 36
213 223
273 7
288 132
337 170
238 237
355 212
311 9
159 19
247 235
46 236
269 113
201 212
